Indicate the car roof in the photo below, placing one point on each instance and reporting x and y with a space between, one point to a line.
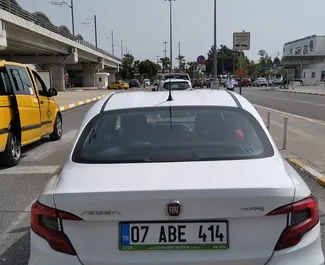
175 80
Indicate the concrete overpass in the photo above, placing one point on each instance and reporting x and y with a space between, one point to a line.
31 38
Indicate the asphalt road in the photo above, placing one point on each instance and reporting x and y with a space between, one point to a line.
309 106
20 186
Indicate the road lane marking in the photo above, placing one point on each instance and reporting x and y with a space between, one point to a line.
44 150
293 100
27 170
320 122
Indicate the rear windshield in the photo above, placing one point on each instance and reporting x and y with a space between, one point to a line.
177 134
177 85
184 77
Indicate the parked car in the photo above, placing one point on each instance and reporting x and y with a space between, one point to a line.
195 180
198 83
261 81
134 83
28 111
156 82
118 85
246 82
146 82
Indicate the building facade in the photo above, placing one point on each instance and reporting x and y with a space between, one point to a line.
306 57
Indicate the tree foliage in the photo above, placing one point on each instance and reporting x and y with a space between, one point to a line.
148 68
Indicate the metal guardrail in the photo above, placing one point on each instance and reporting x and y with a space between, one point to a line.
38 19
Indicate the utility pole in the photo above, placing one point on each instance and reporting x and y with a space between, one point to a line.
171 34
179 55
71 6
121 49
112 42
240 67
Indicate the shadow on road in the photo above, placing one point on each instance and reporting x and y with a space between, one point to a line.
18 253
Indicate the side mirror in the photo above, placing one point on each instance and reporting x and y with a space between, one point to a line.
53 92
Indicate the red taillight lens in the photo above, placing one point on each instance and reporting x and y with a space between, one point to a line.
302 217
46 222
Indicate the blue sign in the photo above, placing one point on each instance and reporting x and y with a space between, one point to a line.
275 66
266 68
200 59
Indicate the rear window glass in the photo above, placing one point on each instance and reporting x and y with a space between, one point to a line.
177 85
172 135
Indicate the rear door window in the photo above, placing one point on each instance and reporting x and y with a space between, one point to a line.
21 80
5 85
172 135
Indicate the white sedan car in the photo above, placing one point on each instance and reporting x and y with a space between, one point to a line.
175 84
203 184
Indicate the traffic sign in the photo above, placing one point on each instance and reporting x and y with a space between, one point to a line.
275 66
266 67
200 59
201 67
241 41
241 72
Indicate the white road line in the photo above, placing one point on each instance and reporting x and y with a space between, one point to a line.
46 149
292 115
293 100
20 170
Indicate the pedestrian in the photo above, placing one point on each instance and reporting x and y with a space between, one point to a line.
230 84
284 82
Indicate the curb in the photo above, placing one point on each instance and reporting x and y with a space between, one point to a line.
81 103
319 177
298 92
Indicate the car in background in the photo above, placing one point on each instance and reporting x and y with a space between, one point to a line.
261 81
246 82
177 76
198 83
155 82
147 82
151 181
275 81
175 84
134 83
118 85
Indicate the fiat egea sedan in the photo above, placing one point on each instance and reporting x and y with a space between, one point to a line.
195 179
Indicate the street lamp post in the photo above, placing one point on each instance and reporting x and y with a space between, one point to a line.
61 3
171 34
215 59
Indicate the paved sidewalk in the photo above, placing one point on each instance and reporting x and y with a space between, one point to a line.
305 140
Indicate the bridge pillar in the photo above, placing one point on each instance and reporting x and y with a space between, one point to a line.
3 36
57 71
112 73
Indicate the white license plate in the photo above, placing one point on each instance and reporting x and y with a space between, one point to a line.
174 235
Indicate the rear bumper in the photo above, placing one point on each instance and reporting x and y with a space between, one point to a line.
42 254
308 251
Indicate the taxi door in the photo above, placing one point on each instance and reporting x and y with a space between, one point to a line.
44 103
27 103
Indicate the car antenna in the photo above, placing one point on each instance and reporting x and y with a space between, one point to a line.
170 98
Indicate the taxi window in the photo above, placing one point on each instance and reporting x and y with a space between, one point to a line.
21 80
41 87
5 86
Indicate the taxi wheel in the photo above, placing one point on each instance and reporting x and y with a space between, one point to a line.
12 154
57 130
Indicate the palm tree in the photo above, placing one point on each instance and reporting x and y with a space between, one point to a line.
165 63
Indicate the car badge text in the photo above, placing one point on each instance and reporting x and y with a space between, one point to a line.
174 209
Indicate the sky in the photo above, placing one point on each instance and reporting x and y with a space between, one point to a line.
143 25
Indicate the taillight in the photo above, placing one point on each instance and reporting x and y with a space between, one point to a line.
302 217
47 223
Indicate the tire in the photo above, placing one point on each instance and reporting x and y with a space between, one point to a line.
119 88
57 129
12 154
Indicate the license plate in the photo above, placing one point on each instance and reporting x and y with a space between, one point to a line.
174 235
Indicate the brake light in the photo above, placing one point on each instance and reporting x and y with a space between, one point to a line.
47 223
302 217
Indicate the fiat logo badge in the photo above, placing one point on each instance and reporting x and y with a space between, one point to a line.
174 209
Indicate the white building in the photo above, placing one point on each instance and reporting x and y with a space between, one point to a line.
307 57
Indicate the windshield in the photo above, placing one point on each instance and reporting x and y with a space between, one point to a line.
177 85
177 76
172 134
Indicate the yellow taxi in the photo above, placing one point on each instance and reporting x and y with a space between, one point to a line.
118 85
28 111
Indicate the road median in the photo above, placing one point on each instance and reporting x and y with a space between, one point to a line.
68 100
296 91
